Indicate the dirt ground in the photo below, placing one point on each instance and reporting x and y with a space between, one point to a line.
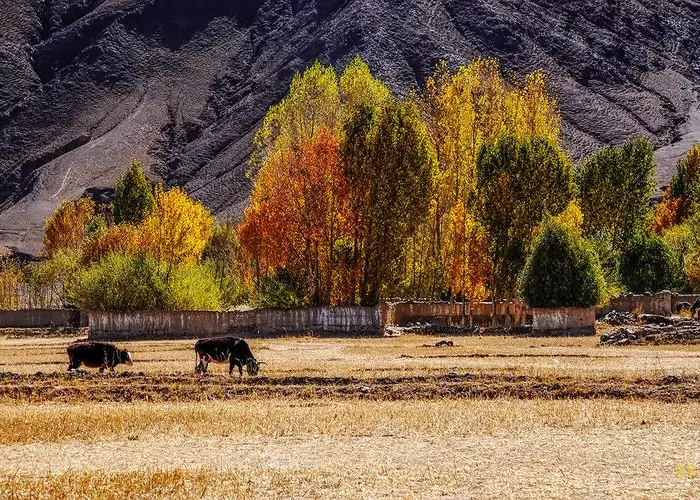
490 417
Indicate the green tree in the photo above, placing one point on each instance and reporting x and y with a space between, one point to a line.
562 270
648 264
391 164
518 181
133 196
222 256
615 185
282 290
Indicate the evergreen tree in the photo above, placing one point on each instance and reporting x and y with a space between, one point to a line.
134 196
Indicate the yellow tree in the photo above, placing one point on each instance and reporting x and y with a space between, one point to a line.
312 104
177 230
464 111
65 228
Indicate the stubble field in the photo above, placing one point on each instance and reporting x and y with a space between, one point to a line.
490 417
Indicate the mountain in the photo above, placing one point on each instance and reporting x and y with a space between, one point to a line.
87 85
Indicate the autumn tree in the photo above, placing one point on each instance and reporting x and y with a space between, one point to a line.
122 238
391 163
66 227
298 212
615 185
465 110
177 230
518 181
683 191
133 198
312 105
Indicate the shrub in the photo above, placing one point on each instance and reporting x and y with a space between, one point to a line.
561 271
124 282
121 282
649 265
193 289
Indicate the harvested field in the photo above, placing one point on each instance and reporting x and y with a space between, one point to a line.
346 418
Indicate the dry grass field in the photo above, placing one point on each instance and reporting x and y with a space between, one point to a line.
491 417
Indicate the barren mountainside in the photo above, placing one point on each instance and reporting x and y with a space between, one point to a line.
87 85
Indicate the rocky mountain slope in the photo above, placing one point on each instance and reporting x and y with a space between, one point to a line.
86 85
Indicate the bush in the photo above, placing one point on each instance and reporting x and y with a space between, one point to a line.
649 265
194 289
283 290
121 282
561 271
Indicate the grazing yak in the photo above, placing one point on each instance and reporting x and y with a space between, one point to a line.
96 355
223 349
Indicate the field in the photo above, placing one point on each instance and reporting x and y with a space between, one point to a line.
490 417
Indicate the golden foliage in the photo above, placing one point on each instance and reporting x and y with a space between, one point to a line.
65 228
667 214
11 280
464 111
299 210
123 238
178 229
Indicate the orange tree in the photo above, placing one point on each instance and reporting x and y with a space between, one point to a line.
66 227
298 213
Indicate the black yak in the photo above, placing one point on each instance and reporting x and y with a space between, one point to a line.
223 349
96 355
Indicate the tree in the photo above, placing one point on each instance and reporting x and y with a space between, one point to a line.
299 210
177 230
469 267
463 111
391 164
11 280
133 198
122 238
615 185
680 196
518 181
66 227
562 270
649 265
311 106
224 255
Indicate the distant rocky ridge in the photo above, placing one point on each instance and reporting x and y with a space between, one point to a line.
86 85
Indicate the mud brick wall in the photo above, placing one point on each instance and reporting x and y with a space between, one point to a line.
564 321
43 318
329 321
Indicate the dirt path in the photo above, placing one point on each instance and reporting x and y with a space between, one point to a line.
127 386
637 462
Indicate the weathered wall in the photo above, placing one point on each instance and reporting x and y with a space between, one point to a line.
43 318
662 303
451 314
564 321
265 322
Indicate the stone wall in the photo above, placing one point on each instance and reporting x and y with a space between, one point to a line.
564 321
43 318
